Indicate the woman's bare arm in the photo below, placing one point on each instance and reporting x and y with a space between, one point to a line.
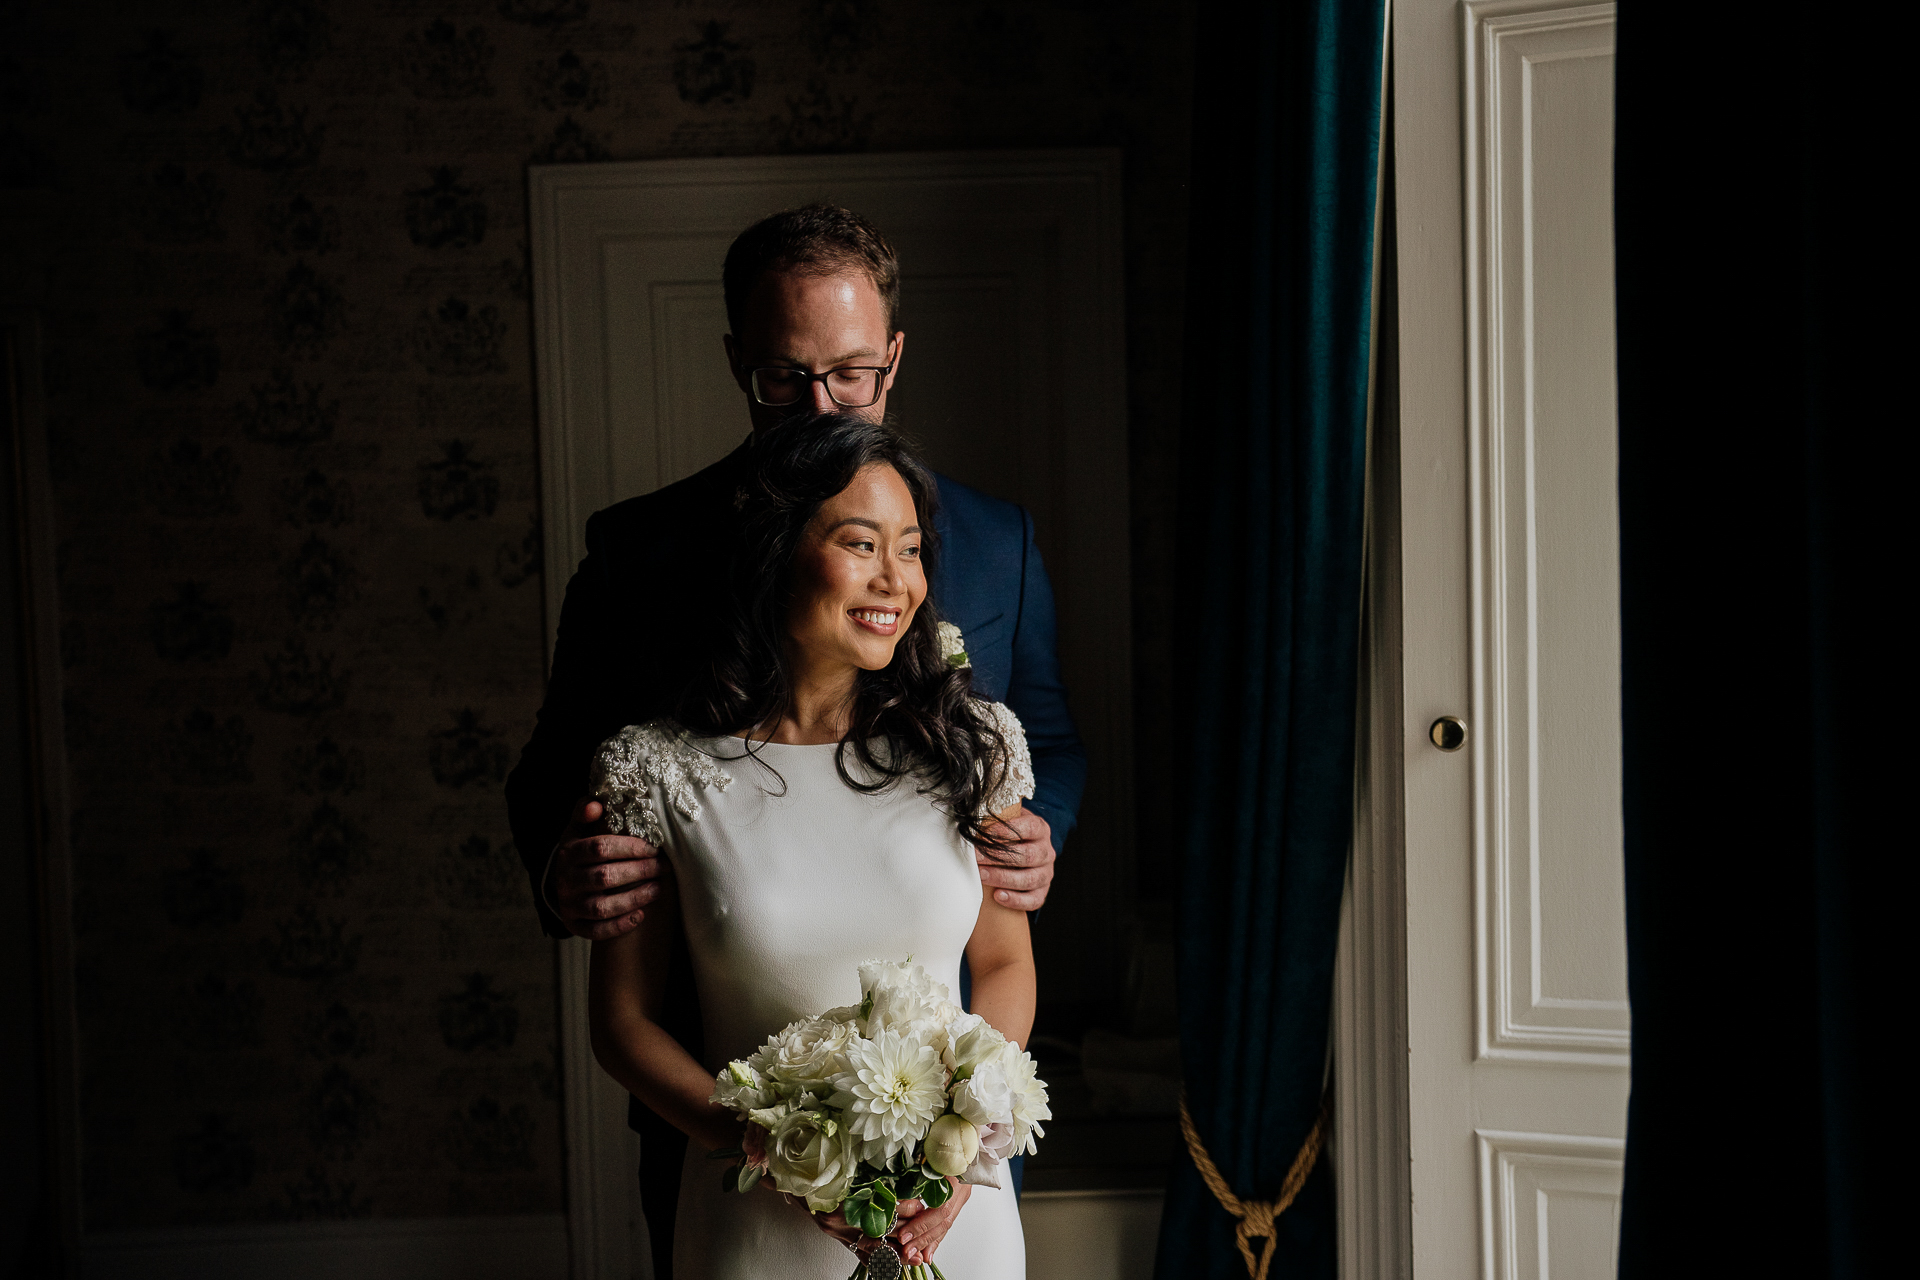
1000 957
624 997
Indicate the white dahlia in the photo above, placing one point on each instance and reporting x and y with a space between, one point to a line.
1029 1098
893 1088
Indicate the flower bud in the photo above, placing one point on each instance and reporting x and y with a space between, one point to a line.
952 1143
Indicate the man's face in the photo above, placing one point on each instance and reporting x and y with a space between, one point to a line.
816 324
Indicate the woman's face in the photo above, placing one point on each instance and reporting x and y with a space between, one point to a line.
857 577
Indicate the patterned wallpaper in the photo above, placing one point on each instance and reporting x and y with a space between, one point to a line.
281 252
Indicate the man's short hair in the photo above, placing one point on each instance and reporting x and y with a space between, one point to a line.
817 239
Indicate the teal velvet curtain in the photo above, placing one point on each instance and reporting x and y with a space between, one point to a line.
1286 156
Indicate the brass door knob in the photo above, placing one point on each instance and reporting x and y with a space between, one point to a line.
1449 733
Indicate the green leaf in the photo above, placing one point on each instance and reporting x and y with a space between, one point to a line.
876 1221
728 1178
749 1177
730 1153
885 1197
938 1192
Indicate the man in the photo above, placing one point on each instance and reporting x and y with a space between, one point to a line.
811 298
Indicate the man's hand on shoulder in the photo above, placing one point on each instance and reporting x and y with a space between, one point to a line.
1020 879
600 883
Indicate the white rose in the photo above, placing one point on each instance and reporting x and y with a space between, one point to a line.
986 1096
889 975
810 1154
951 1145
971 1042
809 1053
901 995
996 1147
908 1012
996 1140
740 1087
901 975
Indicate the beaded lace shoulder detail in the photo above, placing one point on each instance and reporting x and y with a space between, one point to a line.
641 757
1016 779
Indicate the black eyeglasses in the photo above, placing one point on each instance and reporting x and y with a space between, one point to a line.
853 387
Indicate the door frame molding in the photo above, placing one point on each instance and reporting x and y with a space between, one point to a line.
1372 1142
1370 1069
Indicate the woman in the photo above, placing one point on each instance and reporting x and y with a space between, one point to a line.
819 796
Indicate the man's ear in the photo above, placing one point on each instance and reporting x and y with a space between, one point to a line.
734 362
899 349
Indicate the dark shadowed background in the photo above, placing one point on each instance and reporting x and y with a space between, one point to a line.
278 252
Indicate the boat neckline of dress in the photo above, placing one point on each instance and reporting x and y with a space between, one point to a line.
768 742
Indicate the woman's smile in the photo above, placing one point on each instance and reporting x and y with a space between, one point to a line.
882 621
858 580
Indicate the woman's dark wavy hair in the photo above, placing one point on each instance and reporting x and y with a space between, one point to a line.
935 729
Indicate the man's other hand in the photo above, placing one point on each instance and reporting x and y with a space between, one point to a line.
1020 878
599 883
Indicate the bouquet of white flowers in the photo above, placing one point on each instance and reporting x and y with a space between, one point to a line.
859 1108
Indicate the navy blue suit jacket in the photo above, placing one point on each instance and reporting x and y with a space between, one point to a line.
990 582
623 655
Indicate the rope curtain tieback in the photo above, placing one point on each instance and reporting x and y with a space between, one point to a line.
1256 1216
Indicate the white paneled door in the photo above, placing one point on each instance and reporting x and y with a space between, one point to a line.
1506 767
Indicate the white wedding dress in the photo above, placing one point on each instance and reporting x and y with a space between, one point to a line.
788 880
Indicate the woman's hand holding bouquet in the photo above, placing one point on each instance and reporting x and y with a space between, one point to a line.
873 1113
